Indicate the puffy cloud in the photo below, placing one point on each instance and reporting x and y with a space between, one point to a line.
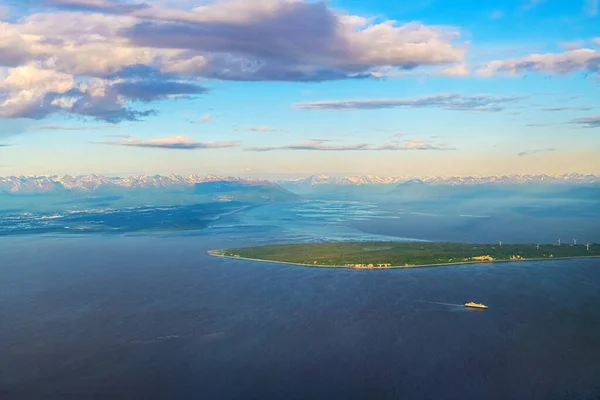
597 41
291 40
13 48
90 43
534 151
205 118
171 143
235 40
323 145
446 102
557 63
590 122
31 92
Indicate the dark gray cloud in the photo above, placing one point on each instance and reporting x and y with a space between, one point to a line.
148 91
567 109
107 108
534 151
447 102
174 143
590 122
322 145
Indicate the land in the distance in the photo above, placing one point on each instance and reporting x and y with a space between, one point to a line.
412 254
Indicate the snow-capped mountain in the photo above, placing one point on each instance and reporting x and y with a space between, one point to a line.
36 184
464 180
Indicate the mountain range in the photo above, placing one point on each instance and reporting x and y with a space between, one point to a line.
40 184
453 181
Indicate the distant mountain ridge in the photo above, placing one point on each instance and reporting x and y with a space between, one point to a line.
37 184
29 184
315 180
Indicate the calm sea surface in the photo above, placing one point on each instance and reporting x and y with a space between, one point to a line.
155 318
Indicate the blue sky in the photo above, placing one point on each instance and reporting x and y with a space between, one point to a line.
281 87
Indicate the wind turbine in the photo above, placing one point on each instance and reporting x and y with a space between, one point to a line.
558 242
537 246
574 242
587 246
500 243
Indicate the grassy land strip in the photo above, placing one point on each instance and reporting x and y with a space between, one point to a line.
394 254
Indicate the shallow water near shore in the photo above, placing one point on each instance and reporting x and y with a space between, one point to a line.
156 317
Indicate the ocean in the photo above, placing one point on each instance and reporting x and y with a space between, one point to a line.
154 317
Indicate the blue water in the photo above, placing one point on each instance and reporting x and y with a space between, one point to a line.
106 317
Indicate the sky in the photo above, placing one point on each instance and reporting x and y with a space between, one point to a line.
299 87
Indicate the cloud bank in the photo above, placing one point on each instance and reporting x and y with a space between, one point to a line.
590 122
171 143
447 102
578 60
324 145
95 59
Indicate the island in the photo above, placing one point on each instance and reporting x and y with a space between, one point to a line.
384 255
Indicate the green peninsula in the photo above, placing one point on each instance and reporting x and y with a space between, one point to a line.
374 255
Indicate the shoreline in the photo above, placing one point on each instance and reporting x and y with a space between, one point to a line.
213 253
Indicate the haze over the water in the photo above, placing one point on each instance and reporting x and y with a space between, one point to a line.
263 87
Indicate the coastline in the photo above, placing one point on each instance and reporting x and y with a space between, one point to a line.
213 253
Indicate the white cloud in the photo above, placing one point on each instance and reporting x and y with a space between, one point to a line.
558 63
205 118
32 92
25 88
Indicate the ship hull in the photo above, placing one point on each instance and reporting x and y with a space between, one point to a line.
476 305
